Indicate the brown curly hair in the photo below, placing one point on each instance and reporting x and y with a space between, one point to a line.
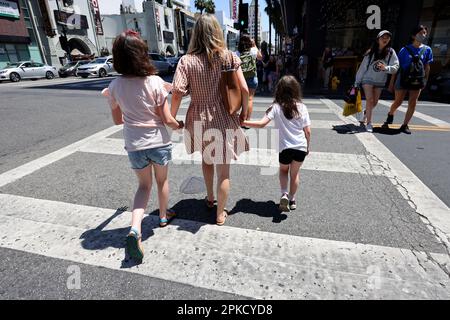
130 55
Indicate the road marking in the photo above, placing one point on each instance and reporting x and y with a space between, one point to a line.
415 127
30 167
251 263
432 210
424 117
319 161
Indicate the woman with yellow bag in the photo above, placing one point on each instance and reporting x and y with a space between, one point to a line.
372 74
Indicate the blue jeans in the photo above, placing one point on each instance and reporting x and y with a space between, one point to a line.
142 158
252 83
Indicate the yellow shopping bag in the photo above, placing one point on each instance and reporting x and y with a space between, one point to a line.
352 108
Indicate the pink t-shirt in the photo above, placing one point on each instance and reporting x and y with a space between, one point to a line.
139 99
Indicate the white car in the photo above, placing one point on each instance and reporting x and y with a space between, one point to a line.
100 67
26 70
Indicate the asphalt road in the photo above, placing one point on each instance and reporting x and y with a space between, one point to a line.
335 204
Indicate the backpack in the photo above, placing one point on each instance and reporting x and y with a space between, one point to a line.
413 77
248 65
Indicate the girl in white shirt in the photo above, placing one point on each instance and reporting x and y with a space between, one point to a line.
292 120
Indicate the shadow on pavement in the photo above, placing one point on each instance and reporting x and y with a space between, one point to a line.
263 209
347 129
388 132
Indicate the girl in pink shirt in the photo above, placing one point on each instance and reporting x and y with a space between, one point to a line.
138 100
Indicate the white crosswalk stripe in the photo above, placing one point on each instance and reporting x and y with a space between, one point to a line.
251 263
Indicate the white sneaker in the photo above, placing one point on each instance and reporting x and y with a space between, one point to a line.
369 127
284 203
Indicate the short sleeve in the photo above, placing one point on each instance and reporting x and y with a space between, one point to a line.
108 93
181 78
160 89
236 61
270 113
305 117
429 58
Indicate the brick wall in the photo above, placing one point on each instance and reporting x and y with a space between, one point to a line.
13 27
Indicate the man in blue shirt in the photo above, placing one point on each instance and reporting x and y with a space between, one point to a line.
406 58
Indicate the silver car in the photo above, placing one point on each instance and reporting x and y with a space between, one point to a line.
26 70
100 67
161 63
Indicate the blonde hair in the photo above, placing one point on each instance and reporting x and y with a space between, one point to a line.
207 37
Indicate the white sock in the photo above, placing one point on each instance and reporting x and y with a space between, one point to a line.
283 191
292 198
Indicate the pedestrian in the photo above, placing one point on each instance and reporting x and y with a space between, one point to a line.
327 66
415 59
372 74
249 54
210 129
303 67
138 100
292 120
272 72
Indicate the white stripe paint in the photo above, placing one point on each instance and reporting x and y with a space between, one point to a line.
30 167
419 115
250 263
320 161
432 210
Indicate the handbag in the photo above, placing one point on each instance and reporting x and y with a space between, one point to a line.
230 88
352 108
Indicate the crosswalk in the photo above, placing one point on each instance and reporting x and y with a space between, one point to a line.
247 262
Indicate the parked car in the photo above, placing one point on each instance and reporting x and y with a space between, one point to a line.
161 63
439 86
26 70
174 61
71 68
100 67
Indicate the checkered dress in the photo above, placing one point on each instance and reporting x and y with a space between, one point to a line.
209 128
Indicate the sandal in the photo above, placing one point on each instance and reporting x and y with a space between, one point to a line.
210 204
170 215
134 247
221 223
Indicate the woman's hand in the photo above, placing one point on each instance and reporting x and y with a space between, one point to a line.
242 117
381 66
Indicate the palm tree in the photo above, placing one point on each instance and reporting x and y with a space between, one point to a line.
200 5
273 10
210 7
269 12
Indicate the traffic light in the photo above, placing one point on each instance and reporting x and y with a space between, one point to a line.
243 16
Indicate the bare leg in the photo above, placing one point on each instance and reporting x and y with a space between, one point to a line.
142 196
412 102
295 178
284 177
223 188
208 175
250 103
399 97
368 92
163 189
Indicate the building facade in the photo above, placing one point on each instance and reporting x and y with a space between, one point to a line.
18 40
252 20
350 27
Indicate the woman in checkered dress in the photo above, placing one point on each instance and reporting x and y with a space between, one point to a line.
209 128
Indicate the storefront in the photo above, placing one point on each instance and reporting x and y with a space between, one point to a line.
17 41
349 28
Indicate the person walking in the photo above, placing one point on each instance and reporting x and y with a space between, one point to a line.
272 72
210 129
303 67
372 74
292 120
249 54
327 66
415 60
138 100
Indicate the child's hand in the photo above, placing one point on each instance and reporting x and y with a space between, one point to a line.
242 118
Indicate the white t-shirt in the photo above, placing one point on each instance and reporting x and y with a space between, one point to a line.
291 134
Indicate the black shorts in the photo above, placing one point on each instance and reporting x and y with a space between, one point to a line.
288 155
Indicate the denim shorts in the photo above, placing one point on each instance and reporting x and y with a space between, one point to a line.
252 83
142 158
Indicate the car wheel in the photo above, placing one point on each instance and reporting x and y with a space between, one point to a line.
14 77
102 73
49 75
84 76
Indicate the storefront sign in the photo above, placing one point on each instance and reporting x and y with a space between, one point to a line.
234 15
9 9
71 20
97 17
